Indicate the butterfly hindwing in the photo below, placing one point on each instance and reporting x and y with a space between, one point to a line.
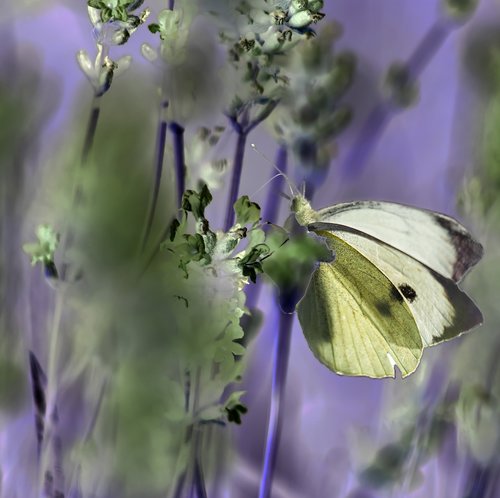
355 320
436 240
441 310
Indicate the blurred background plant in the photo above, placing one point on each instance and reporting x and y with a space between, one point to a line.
149 387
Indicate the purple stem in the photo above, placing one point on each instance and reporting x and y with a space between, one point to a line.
161 136
269 214
171 4
432 41
199 490
280 368
366 140
239 155
91 130
379 117
178 142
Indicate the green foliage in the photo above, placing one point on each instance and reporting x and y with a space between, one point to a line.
294 257
44 249
117 10
247 212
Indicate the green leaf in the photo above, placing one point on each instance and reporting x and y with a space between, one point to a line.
251 262
195 202
154 28
196 246
96 4
174 226
247 212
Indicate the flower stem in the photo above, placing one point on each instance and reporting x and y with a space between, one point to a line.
161 136
239 155
178 142
91 130
269 214
280 368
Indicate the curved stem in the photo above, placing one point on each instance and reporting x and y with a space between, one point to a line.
239 155
280 368
161 136
178 142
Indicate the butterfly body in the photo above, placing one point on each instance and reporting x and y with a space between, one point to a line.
391 289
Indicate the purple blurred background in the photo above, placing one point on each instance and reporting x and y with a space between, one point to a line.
420 158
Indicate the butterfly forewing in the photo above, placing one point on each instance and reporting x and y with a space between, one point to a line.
354 318
436 240
441 310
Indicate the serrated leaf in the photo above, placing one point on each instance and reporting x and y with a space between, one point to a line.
247 212
195 202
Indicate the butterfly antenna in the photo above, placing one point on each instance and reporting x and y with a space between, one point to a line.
290 186
267 183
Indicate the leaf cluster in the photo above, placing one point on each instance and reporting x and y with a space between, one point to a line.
116 10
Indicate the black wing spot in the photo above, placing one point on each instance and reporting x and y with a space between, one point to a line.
408 292
396 295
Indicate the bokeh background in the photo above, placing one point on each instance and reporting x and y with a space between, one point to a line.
435 434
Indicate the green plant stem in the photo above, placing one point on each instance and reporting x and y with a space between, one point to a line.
280 369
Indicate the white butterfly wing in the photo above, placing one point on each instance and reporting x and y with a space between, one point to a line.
354 319
434 239
441 310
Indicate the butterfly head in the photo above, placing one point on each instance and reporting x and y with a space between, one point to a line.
304 213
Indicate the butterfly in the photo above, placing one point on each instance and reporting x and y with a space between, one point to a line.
392 288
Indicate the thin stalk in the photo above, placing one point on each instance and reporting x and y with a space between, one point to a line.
88 145
239 155
161 136
269 214
171 4
378 119
280 368
91 130
178 142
